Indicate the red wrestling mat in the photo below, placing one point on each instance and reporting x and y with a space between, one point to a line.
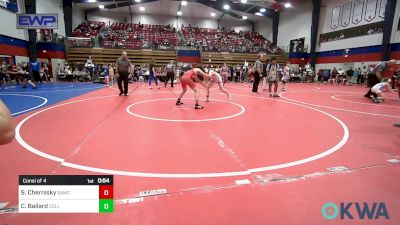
254 160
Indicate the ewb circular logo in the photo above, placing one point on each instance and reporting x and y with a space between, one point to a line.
330 211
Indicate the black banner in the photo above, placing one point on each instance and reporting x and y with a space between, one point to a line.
66 179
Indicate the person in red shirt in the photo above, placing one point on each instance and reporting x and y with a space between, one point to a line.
188 79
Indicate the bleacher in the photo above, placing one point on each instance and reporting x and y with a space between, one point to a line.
161 57
88 29
107 56
133 37
219 58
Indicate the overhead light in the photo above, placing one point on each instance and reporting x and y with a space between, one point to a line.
226 6
212 14
92 0
288 5
101 6
184 2
179 13
244 17
243 1
142 8
258 14
262 10
137 0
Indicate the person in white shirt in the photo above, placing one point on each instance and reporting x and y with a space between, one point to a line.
273 76
378 90
216 78
286 75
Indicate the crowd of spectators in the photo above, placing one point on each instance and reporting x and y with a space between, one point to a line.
223 39
129 35
139 36
21 72
88 29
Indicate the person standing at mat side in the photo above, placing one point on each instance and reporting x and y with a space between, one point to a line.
376 75
273 77
35 67
258 68
170 73
123 69
6 125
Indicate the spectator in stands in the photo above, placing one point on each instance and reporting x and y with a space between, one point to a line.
123 69
100 41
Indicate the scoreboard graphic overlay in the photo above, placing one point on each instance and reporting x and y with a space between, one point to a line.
66 194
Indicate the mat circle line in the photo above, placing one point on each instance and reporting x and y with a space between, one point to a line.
32 108
62 161
128 109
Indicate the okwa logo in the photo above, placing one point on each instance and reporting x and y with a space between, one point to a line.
355 210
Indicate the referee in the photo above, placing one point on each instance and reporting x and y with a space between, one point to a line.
170 73
376 75
123 69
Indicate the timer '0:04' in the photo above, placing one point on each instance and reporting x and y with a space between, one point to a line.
103 180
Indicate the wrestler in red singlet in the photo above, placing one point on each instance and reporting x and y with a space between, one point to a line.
188 79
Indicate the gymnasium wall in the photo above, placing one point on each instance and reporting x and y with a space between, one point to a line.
325 26
10 46
295 23
360 50
264 27
395 31
13 41
110 17
78 15
53 6
9 20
